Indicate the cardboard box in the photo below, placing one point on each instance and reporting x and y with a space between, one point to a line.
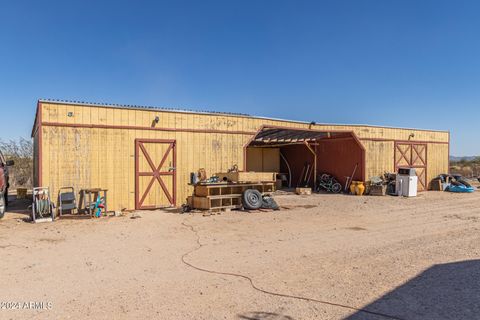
303 191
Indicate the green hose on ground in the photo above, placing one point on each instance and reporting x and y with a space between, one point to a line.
43 207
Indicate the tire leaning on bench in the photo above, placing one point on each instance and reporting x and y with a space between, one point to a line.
252 199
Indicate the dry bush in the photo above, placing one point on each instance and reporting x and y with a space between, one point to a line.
20 151
467 168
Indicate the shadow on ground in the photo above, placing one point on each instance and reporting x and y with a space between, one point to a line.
444 291
262 316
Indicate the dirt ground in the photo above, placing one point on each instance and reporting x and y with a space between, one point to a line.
396 258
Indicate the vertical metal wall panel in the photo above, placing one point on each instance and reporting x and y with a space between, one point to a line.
338 157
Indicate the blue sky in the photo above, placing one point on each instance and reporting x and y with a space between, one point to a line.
385 62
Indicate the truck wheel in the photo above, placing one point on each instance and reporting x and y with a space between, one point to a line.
252 199
3 206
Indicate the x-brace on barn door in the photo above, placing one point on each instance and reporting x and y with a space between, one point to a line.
155 173
413 155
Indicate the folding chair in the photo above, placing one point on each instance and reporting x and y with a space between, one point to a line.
66 200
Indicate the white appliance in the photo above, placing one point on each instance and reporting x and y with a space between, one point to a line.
407 182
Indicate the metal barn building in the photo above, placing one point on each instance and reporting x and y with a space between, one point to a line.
144 156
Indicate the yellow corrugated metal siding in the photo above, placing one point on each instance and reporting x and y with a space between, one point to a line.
438 160
104 157
379 157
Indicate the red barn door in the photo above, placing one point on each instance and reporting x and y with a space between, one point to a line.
155 173
413 155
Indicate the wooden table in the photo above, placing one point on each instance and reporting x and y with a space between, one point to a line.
88 204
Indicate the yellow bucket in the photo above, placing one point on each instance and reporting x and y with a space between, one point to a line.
357 188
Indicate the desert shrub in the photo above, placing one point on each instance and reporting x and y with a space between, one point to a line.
21 151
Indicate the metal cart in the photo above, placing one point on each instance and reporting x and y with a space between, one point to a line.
42 207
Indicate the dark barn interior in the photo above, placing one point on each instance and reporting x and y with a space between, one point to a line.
299 154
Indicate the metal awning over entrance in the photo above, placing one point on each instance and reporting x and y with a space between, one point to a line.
279 136
338 151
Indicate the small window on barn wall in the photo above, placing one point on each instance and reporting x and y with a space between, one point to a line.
70 114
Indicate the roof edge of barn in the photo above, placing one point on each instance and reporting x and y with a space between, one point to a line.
217 113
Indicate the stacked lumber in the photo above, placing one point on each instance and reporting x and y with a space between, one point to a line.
248 176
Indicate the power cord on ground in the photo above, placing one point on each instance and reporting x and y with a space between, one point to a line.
271 293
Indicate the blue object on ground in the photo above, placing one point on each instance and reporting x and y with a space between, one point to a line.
462 188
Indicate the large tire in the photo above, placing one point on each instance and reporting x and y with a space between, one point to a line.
252 199
3 206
